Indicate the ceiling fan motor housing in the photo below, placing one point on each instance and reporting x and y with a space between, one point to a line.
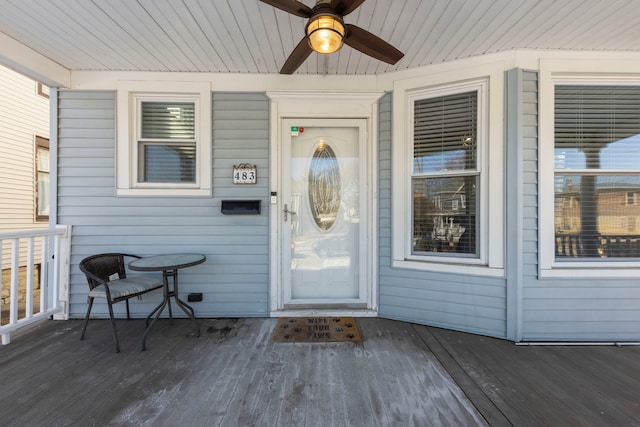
325 29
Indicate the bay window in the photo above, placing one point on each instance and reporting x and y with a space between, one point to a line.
448 163
589 169
445 175
597 167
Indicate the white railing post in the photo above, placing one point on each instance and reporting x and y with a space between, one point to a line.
30 270
1 284
14 289
62 274
44 274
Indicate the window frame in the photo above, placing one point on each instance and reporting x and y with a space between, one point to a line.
129 97
567 73
142 142
480 89
43 90
489 80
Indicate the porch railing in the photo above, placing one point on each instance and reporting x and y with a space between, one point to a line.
38 272
618 246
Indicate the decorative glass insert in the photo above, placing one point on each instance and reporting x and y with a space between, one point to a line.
324 186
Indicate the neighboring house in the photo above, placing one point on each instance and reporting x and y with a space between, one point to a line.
436 193
24 160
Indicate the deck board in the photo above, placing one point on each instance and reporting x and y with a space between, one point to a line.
548 385
234 374
401 374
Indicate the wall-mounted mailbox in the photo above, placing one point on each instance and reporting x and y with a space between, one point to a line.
241 207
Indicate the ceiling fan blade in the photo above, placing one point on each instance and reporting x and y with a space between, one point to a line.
297 57
371 45
345 7
292 6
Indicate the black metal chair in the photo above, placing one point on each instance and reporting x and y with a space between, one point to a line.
107 279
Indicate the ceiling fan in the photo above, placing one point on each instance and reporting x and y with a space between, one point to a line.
326 31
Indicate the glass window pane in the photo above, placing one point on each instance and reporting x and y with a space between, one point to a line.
168 120
168 163
42 183
445 215
595 216
42 159
42 203
445 133
597 127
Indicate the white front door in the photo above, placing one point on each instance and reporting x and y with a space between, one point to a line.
324 213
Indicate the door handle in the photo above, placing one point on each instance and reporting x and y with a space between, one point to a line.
286 212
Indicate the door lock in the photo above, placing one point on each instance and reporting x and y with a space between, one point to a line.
286 212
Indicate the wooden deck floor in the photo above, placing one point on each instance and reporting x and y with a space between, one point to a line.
235 375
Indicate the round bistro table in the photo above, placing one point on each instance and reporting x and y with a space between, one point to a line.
169 264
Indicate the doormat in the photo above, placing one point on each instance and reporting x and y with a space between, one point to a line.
316 329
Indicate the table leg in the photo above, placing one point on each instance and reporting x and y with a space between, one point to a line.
189 311
166 301
183 305
158 311
166 274
161 305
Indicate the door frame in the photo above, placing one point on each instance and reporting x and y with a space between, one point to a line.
322 105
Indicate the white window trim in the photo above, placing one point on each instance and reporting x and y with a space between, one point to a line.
491 162
128 92
578 72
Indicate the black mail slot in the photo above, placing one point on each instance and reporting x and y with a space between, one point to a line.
241 207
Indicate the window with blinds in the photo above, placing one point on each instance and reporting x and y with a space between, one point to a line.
445 175
597 168
167 142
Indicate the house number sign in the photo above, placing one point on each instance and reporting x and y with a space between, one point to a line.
244 173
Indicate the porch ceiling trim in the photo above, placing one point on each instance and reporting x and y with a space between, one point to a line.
27 61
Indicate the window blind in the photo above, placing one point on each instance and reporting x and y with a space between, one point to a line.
597 127
168 120
444 133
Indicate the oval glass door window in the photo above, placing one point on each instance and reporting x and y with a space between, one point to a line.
324 186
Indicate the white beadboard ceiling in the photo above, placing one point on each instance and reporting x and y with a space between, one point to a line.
247 36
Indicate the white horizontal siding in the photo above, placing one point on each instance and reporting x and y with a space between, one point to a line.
23 115
234 279
461 302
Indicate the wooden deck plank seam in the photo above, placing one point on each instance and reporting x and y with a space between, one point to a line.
490 411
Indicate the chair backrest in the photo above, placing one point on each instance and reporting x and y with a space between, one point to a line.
103 266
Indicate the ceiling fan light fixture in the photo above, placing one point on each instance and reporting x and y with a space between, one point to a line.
326 33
